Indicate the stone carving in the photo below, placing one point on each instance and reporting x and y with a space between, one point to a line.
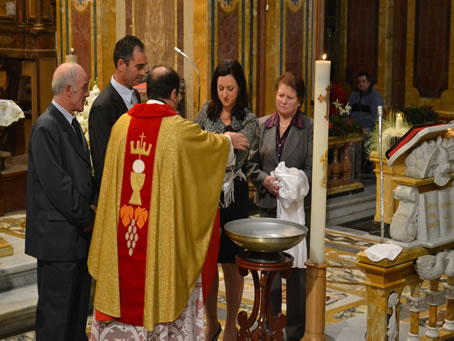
449 271
404 224
430 211
431 267
441 172
434 158
393 333
416 304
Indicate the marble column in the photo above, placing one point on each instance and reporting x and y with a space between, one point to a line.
38 15
416 306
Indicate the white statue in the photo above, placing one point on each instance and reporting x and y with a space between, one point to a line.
449 271
404 224
442 169
431 267
432 159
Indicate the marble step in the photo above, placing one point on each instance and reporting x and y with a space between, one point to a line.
18 275
349 208
17 310
16 270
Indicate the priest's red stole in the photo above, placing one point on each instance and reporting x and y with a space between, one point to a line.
134 209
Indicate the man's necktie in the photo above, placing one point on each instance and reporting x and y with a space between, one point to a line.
77 129
133 99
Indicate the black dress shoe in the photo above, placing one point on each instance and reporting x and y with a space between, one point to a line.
216 336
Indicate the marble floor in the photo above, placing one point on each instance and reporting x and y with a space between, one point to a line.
346 301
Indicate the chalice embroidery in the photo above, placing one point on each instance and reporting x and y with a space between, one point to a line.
133 219
138 168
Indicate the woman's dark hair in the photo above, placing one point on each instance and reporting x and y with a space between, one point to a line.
228 67
294 81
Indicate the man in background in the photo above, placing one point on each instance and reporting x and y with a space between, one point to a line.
116 99
154 248
364 102
60 210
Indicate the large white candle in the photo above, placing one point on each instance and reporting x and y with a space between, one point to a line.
320 161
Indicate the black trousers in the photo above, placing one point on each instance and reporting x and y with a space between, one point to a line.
296 302
296 291
64 292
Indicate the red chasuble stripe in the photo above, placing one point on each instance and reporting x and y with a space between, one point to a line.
210 265
135 201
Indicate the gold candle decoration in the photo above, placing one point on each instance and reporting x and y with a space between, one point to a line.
320 160
71 57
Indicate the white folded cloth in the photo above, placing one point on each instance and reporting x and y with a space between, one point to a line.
381 251
293 187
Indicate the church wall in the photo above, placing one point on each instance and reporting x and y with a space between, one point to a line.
429 69
220 29
362 38
405 45
282 44
27 62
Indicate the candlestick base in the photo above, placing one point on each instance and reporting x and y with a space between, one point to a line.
315 302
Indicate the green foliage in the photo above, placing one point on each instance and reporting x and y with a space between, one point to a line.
419 115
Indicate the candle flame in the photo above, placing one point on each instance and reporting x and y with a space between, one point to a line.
324 56
399 115
72 50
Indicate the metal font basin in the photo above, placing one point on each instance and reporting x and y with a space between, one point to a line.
265 235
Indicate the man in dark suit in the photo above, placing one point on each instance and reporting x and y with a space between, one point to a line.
60 210
116 99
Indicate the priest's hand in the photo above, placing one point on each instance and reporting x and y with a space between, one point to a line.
239 141
270 185
90 228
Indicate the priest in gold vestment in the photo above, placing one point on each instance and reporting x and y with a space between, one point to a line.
153 238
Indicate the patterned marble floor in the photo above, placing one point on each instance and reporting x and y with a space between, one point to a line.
345 291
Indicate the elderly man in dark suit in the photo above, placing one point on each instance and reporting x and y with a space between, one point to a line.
116 99
60 209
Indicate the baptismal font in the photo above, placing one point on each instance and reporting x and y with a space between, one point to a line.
264 240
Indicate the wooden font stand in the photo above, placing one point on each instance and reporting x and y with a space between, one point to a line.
262 300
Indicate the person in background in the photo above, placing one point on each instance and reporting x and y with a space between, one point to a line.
228 110
364 102
286 135
116 98
61 210
154 246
